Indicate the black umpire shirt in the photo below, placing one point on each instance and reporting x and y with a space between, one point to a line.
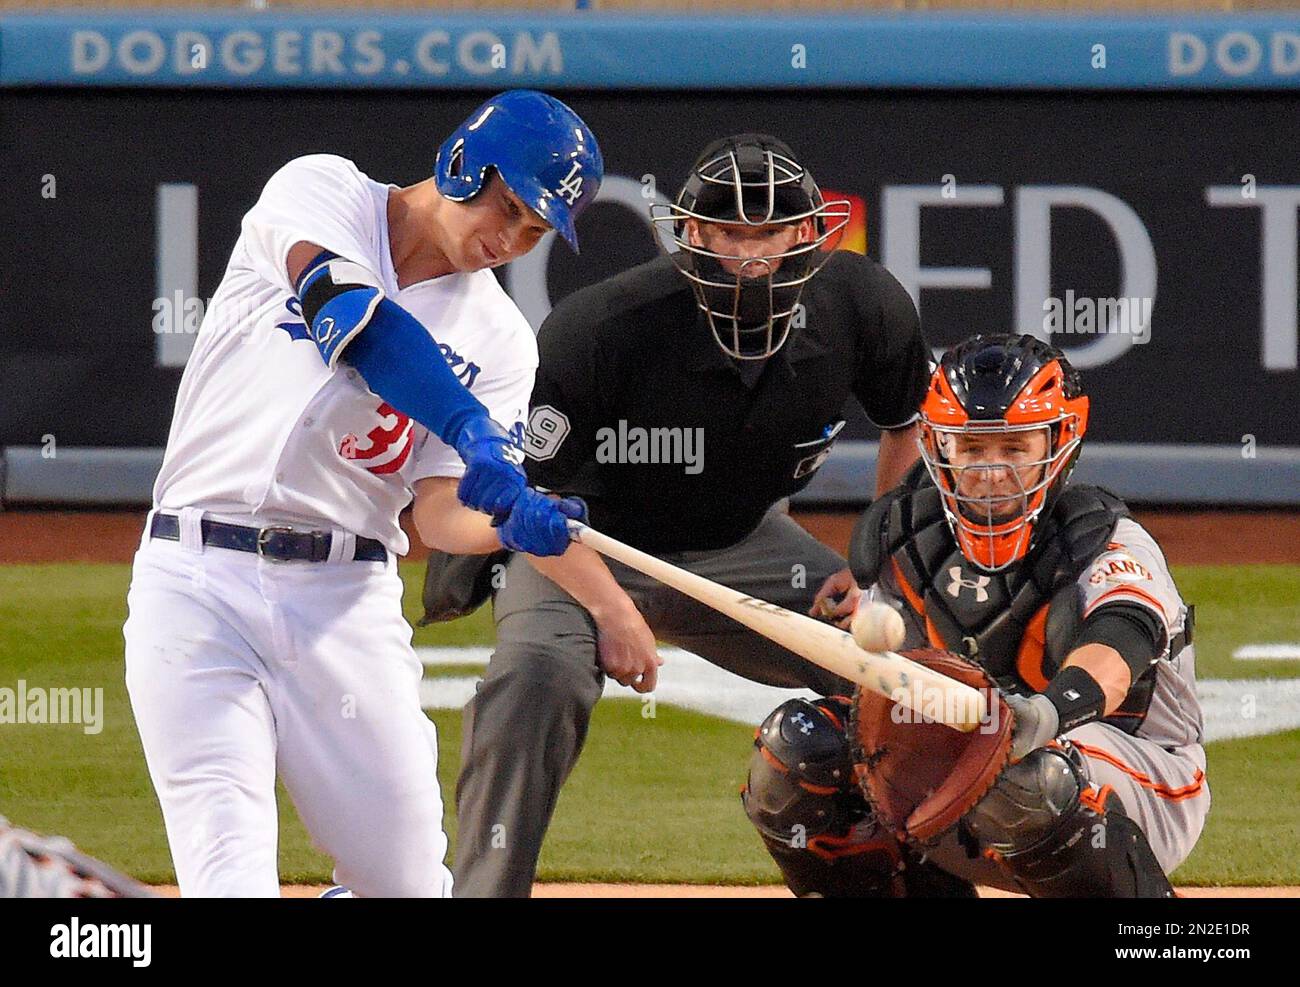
638 410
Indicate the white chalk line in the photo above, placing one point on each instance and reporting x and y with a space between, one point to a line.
1267 652
1233 708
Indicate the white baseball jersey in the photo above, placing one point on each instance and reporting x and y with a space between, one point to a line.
264 430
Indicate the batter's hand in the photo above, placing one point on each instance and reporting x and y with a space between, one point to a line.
538 524
493 477
625 648
837 599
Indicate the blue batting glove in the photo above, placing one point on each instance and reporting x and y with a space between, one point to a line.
493 478
538 525
573 508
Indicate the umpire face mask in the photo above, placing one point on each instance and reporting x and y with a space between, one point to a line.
751 229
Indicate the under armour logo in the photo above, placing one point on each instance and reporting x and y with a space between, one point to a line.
571 185
805 725
977 584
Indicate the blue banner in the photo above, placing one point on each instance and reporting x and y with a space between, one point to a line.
607 51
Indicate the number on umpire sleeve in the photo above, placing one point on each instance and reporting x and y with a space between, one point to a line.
547 430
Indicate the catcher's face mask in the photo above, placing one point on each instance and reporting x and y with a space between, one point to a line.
1001 428
751 228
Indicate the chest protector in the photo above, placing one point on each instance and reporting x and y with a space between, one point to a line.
1019 624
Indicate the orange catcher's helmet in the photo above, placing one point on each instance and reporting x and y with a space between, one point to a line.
1008 392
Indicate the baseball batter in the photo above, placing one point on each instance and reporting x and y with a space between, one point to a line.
1067 604
358 352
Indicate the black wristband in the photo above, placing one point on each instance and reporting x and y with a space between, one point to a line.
1077 696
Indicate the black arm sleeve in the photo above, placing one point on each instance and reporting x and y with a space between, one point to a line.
1134 631
894 370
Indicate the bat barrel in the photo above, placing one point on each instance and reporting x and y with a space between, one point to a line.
925 692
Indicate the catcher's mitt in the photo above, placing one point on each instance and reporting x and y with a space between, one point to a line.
920 777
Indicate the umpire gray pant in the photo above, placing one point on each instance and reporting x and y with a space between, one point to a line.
527 722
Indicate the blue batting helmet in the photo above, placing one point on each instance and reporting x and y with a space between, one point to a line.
541 149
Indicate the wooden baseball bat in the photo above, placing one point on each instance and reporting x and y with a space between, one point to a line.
925 692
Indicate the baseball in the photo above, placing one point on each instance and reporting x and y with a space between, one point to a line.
877 626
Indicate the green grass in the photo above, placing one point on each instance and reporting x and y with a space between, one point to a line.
650 800
1253 833
453 671
1240 604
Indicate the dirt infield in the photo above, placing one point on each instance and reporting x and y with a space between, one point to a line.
1188 537
725 891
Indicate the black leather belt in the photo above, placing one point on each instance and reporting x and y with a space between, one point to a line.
276 542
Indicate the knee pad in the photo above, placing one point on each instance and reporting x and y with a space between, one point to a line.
802 798
800 784
1060 838
1027 801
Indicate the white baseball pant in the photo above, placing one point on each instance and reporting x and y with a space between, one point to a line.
241 668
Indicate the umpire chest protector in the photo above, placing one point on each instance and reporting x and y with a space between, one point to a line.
1020 623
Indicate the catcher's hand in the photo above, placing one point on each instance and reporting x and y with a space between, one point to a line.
920 777
1036 722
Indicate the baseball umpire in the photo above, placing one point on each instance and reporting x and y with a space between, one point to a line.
683 399
1066 604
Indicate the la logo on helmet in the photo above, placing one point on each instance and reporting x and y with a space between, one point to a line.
571 185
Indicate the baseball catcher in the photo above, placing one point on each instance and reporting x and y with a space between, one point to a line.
1088 777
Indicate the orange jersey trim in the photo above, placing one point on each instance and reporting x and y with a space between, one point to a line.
1129 591
1188 791
909 594
917 604
1029 659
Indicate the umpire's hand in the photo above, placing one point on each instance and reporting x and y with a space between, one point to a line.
837 599
625 647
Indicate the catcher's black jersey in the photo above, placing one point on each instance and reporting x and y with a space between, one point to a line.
675 448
